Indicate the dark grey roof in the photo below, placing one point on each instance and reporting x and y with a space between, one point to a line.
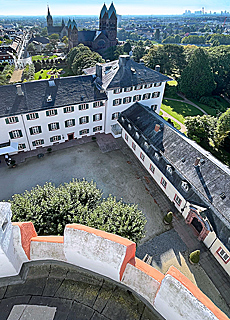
54 29
208 181
86 35
126 72
67 91
42 40
73 292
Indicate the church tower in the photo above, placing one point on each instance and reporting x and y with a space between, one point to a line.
72 34
49 19
112 25
103 20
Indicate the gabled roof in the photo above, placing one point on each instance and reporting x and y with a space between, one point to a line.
66 91
86 35
72 24
112 10
103 11
209 182
125 72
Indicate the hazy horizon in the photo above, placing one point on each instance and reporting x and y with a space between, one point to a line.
93 7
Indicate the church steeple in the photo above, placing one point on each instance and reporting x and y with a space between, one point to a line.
49 18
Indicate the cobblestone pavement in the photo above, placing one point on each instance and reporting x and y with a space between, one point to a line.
160 205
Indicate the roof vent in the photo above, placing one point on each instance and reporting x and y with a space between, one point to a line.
223 195
99 70
133 70
142 62
157 128
19 90
157 68
82 98
197 162
49 99
51 83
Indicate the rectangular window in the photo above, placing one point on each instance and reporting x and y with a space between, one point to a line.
157 84
163 182
155 94
126 137
138 87
177 200
116 102
118 90
98 128
32 116
83 106
224 256
151 168
148 85
97 117
137 98
133 146
128 89
37 143
55 138
35 130
127 99
98 104
142 156
15 134
70 123
21 146
146 96
83 120
53 126
82 132
11 120
115 115
154 107
52 112
68 109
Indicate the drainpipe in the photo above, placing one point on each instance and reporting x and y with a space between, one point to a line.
26 132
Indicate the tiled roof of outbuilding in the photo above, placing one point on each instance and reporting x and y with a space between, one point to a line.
208 181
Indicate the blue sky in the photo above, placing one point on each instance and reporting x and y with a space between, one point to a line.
124 7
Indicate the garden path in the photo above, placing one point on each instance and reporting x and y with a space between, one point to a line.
187 101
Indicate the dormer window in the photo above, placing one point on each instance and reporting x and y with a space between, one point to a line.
137 135
49 98
157 156
169 169
129 126
185 186
146 145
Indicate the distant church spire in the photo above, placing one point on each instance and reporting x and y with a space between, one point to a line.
49 18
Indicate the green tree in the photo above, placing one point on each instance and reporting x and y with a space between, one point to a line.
54 36
50 208
222 130
82 57
65 40
201 128
197 78
127 47
139 51
37 65
31 48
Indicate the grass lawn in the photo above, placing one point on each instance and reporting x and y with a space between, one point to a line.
44 75
40 57
212 111
179 110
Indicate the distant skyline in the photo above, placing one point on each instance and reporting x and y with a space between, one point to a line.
123 7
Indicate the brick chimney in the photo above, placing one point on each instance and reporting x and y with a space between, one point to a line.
157 68
99 70
157 127
197 162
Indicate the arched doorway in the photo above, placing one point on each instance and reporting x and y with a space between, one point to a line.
197 225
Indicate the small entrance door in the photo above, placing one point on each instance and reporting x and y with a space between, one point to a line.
70 136
197 225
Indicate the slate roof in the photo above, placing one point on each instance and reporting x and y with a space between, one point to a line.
73 292
67 91
54 29
208 181
86 35
42 40
125 72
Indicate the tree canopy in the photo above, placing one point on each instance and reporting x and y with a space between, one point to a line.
197 78
50 208
82 57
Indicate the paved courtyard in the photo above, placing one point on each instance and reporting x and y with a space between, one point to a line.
111 172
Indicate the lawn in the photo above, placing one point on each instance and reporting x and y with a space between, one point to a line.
179 110
41 57
43 73
212 111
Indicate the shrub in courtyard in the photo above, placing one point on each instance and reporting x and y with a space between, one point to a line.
194 256
50 208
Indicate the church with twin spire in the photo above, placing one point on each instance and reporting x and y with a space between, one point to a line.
97 40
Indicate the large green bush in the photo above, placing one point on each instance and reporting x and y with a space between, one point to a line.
50 208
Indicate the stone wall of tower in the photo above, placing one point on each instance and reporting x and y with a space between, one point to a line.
73 37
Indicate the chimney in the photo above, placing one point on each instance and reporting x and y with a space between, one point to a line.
157 68
99 70
123 59
197 162
157 127
19 90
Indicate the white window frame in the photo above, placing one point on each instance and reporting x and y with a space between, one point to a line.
127 100
97 117
68 109
35 130
83 120
151 168
157 84
32 116
224 256
83 132
137 97
20 146
178 200
97 128
12 120
133 146
116 102
148 85
83 106
185 186
142 156
139 87
156 94
128 89
115 115
38 142
146 96
55 138
98 104
51 112
53 126
16 134
117 90
163 182
69 123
